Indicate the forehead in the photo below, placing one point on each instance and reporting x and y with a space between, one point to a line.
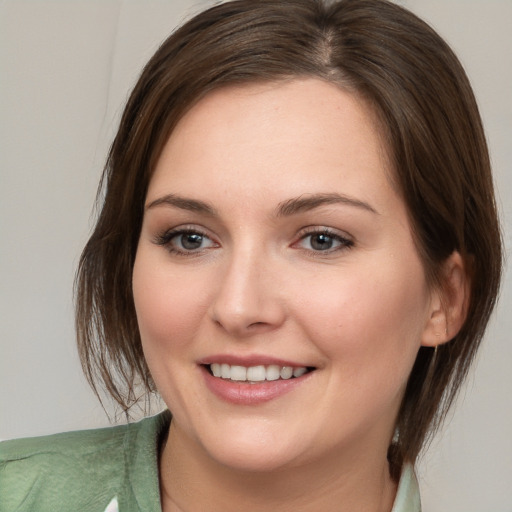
294 136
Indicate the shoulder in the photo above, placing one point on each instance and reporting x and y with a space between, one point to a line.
70 466
86 468
65 444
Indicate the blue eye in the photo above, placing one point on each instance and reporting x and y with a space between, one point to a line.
321 242
324 241
188 241
185 241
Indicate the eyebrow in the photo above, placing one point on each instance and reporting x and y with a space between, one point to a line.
311 201
183 203
284 209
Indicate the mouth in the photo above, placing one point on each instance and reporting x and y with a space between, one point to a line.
256 374
253 379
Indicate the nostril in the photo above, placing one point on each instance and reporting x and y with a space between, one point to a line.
256 324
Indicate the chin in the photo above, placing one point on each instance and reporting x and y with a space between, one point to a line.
253 448
248 459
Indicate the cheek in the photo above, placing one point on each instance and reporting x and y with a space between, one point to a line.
368 319
169 304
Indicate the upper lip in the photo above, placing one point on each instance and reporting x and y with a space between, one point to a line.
249 360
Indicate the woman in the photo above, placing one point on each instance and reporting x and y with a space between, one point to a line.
298 249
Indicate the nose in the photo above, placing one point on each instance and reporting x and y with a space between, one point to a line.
249 298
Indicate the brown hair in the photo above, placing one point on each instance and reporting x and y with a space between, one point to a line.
432 127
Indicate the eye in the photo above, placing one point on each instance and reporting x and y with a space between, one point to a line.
185 241
324 241
190 241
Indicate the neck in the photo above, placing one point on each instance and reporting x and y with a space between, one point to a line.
191 480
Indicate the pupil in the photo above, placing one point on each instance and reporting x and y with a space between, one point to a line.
321 242
191 241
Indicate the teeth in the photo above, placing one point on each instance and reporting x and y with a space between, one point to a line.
297 372
273 372
216 370
286 372
225 371
238 373
256 373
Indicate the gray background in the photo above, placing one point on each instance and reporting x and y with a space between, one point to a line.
66 68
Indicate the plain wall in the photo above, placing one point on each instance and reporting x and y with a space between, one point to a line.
66 68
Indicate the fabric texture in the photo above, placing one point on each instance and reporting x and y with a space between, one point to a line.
105 470
408 493
86 471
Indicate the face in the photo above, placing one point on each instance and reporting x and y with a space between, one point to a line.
280 298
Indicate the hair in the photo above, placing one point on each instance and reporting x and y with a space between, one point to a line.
430 123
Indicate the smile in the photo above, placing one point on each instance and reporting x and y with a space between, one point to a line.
253 384
258 373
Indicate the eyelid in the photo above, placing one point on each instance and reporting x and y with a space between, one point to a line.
346 240
164 238
312 229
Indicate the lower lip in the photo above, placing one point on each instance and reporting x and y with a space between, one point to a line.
245 393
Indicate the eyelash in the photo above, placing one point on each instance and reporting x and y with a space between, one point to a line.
344 242
165 240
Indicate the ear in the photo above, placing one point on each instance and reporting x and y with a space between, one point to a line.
449 303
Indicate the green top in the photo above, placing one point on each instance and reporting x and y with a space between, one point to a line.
105 470
84 470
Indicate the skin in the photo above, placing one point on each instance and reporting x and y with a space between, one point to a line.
256 285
